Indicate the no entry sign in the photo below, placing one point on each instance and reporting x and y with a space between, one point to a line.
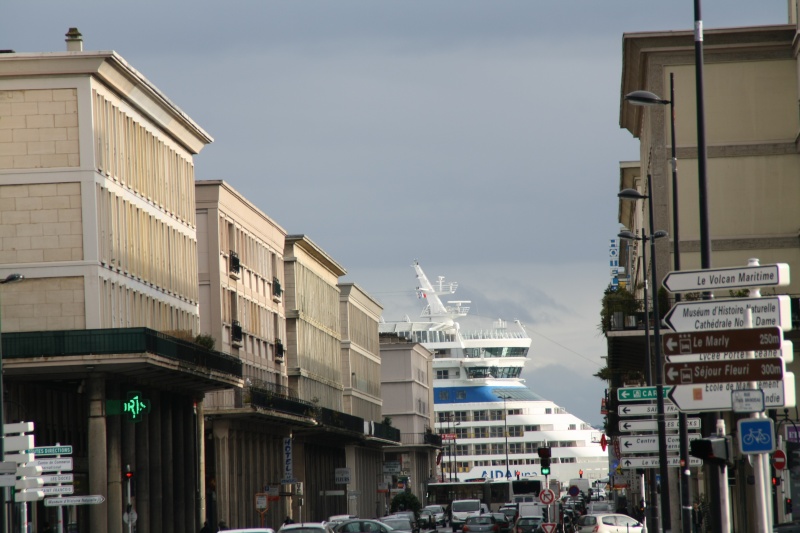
779 460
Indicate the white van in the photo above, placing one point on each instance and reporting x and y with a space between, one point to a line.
460 510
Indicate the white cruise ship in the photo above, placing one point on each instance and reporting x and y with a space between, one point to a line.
477 379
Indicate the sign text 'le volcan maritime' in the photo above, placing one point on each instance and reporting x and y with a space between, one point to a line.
727 278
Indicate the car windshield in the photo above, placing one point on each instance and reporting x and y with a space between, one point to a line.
460 507
435 508
529 521
479 520
398 523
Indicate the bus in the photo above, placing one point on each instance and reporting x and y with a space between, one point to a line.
493 492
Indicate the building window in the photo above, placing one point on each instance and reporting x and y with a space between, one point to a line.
461 433
480 416
481 449
515 431
496 414
532 428
460 416
515 411
461 395
497 431
573 426
498 448
481 432
515 447
442 374
444 395
442 417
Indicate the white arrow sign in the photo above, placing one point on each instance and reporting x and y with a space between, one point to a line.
727 278
649 443
50 465
646 409
717 396
652 462
786 353
730 314
74 500
50 490
652 425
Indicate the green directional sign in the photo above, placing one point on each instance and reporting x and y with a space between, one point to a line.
637 394
51 450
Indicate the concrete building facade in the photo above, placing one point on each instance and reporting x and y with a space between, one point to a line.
753 164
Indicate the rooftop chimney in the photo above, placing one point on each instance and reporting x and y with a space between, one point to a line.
74 40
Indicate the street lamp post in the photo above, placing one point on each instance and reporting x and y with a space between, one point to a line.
633 194
11 278
646 98
648 371
505 397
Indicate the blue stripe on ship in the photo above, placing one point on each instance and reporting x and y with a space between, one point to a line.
445 395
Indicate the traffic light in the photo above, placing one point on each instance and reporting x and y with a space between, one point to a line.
544 460
776 481
713 450
580 474
787 506
128 473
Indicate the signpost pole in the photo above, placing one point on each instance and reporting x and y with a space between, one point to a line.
760 466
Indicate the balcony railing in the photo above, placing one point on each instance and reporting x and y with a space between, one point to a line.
277 291
419 439
23 345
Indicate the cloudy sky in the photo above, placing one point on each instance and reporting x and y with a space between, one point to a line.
479 136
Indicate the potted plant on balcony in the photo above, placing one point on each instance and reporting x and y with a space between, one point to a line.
618 302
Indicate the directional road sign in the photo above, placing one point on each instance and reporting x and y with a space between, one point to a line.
652 425
50 490
58 478
652 462
635 394
51 465
701 315
724 371
785 352
717 396
74 500
646 409
727 278
756 435
649 443
51 450
731 340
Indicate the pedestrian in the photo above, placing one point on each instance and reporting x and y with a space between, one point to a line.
206 528
288 520
697 518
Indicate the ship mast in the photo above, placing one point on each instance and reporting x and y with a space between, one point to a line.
435 308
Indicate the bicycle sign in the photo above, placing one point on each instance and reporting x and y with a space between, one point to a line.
756 435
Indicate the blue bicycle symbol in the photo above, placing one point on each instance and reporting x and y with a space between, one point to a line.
756 435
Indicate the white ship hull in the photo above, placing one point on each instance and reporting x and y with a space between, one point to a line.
481 400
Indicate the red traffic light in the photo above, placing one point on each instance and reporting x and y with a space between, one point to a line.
128 473
544 452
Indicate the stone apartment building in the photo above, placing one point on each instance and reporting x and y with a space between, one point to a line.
98 210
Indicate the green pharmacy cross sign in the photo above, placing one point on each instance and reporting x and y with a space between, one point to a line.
134 407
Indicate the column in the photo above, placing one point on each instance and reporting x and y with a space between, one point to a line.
222 461
200 431
115 501
128 458
98 475
167 464
142 460
181 489
156 478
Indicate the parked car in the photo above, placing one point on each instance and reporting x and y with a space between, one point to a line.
598 494
460 510
787 527
439 512
484 523
361 525
607 523
426 520
252 530
503 522
306 527
401 523
529 524
337 519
